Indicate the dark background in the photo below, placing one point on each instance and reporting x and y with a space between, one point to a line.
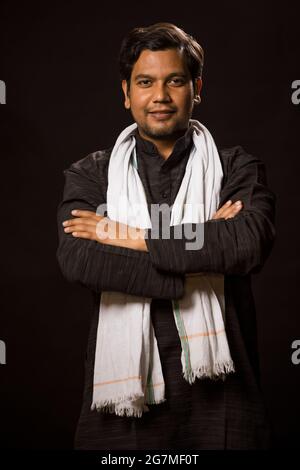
64 100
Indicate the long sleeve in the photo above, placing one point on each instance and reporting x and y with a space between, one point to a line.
104 267
236 246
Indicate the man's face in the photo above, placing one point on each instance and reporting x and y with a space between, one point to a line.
160 81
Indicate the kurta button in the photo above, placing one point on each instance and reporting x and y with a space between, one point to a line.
165 194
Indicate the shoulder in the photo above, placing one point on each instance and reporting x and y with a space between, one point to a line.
237 155
92 165
86 179
237 158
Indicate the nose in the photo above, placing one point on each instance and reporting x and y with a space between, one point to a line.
160 93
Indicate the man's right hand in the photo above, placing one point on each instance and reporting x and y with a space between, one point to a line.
228 210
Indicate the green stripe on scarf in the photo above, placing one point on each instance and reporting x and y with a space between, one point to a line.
183 338
149 388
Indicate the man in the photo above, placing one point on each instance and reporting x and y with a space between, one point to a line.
161 69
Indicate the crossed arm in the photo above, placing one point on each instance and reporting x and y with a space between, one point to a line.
101 266
235 241
238 245
91 226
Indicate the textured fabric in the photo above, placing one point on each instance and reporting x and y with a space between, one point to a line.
229 415
127 372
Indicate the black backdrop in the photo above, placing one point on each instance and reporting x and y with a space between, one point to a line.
63 101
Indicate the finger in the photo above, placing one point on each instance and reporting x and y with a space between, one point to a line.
233 211
86 235
80 227
222 209
84 213
79 220
229 211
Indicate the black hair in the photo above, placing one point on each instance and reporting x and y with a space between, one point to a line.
157 37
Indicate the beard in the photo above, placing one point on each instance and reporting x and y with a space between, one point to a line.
164 132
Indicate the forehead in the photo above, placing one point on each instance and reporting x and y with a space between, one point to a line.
160 63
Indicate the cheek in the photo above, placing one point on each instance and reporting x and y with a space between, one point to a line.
139 102
186 99
187 103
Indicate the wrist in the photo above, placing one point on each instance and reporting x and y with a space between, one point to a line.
140 242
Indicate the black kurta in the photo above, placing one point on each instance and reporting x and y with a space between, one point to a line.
207 414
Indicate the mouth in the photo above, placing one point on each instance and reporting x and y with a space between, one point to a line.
161 115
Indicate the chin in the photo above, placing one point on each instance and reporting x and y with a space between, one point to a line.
159 133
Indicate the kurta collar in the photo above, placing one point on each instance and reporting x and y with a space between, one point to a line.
148 149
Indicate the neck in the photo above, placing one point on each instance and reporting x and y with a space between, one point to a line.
164 146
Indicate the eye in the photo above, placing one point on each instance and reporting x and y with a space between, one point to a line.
144 82
177 81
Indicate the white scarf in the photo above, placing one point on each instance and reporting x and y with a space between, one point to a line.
127 370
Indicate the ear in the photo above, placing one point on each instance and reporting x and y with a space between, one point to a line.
198 85
127 98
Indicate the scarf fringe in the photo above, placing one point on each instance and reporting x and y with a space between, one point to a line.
109 406
156 402
218 371
124 411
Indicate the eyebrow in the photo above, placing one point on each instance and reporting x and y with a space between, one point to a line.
173 74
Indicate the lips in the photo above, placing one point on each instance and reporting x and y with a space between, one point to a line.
162 114
162 111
